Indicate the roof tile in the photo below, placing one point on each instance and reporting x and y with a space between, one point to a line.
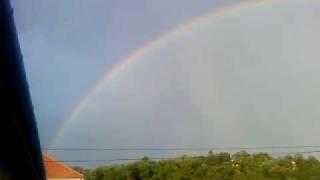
57 169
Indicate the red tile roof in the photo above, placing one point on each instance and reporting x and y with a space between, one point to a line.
56 169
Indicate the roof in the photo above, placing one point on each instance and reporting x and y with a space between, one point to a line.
57 169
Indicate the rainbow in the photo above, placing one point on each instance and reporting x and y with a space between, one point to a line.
136 54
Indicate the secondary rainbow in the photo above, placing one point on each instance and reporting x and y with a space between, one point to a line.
134 55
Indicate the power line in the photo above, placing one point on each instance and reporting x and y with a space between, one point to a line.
180 149
111 160
168 158
296 152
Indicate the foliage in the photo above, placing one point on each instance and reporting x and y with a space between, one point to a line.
220 166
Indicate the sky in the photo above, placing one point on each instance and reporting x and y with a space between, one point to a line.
246 78
69 45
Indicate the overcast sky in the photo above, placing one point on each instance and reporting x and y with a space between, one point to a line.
248 78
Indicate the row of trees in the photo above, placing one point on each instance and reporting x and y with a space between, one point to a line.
220 166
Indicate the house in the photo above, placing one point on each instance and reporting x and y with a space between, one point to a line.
57 170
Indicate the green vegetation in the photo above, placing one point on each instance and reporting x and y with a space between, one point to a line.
221 166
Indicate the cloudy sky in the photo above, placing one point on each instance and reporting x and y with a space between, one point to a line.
248 77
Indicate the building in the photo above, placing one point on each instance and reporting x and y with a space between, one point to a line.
57 170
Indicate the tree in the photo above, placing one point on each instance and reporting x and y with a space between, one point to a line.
215 166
